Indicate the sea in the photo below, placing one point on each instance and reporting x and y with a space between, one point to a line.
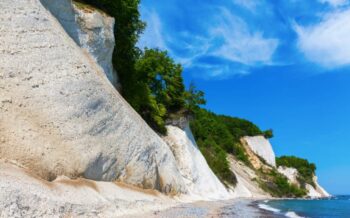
334 207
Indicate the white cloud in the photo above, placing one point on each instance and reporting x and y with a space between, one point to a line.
152 36
328 42
248 4
227 36
240 44
335 3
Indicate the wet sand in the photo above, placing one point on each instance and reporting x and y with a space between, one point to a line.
244 208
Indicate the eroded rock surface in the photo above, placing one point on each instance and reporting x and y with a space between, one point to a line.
199 178
24 195
91 29
261 147
246 180
59 114
290 173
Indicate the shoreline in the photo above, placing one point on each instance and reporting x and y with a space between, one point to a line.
239 207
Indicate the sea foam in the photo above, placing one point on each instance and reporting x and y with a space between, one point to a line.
267 207
292 214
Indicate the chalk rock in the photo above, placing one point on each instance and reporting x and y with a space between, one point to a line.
90 28
290 173
262 147
24 195
316 192
247 186
199 178
64 117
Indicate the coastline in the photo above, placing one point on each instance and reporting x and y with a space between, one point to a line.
239 207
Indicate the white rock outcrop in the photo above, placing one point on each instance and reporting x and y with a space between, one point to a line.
199 178
24 195
317 191
246 184
262 147
91 29
292 176
290 173
59 114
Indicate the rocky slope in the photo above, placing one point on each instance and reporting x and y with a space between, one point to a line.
24 195
59 114
199 179
261 156
246 180
91 29
261 147
313 192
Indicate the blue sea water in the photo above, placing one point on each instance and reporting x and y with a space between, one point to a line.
335 207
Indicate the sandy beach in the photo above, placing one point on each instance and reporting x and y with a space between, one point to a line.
215 209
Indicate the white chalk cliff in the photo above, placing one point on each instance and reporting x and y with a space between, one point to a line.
91 29
69 142
313 192
59 114
62 118
262 147
199 179
246 180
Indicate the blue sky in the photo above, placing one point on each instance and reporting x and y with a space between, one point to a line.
284 65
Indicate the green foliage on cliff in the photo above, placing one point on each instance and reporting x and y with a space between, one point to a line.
278 186
151 81
161 91
160 88
216 158
306 170
217 135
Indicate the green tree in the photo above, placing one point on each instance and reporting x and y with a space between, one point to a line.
163 77
160 80
194 98
268 134
128 27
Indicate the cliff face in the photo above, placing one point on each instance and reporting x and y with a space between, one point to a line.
313 192
199 178
59 115
262 147
246 180
91 29
258 148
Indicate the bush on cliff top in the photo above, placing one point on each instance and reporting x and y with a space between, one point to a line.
216 134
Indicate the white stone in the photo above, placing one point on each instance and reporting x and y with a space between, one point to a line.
66 118
262 147
199 178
